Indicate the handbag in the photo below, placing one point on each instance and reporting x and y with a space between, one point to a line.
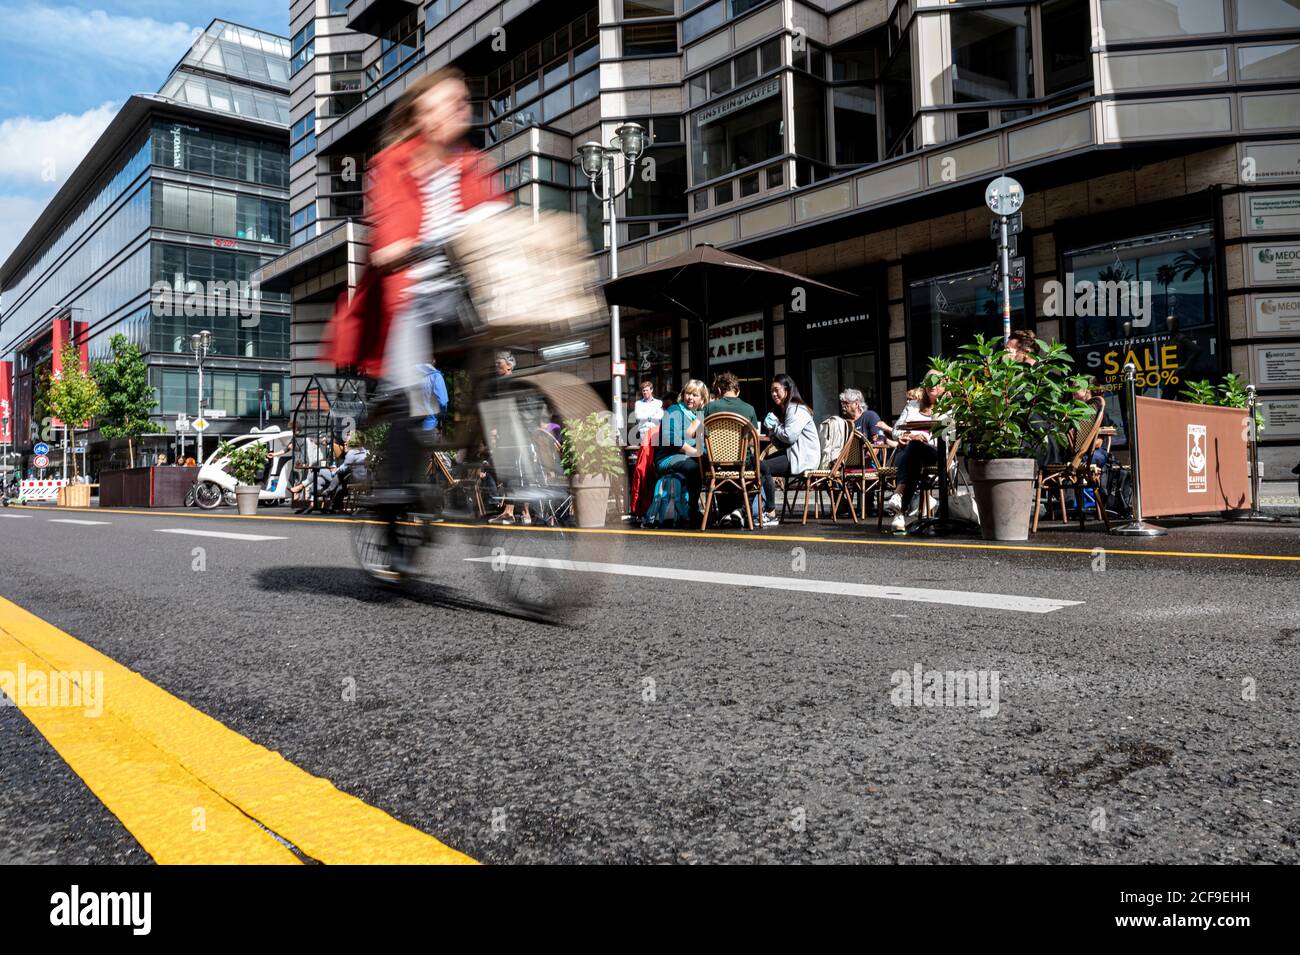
528 279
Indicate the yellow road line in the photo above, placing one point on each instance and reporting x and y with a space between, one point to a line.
744 536
153 760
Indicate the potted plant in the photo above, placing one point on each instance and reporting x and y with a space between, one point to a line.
245 464
1003 411
1229 393
590 457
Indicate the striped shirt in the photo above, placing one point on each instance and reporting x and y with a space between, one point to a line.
440 223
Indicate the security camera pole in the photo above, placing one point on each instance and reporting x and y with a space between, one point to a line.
1004 197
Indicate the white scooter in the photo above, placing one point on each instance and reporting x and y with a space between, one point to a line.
216 486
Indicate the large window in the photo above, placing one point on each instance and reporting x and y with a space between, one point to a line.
238 394
990 54
737 131
1067 42
216 154
302 137
1167 278
303 47
947 311
1150 19
896 97
639 9
649 39
855 125
1267 14
194 209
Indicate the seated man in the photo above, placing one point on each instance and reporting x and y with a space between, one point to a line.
351 470
726 386
865 421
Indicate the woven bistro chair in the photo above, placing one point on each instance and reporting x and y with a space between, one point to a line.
929 481
730 461
866 472
442 464
1079 473
832 481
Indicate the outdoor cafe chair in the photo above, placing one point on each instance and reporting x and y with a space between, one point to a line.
730 461
443 465
832 481
1079 473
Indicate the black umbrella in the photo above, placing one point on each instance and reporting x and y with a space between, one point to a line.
707 282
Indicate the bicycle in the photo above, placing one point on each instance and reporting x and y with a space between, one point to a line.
539 571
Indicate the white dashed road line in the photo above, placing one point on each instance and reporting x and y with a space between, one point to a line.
223 534
70 520
956 598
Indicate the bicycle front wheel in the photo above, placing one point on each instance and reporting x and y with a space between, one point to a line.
552 559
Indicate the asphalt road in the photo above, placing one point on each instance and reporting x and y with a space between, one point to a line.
687 719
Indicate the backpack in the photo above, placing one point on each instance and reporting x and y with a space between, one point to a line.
671 504
1118 485
834 431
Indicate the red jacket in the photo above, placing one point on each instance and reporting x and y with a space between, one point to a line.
358 329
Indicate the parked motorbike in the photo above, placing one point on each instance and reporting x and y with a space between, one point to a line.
216 486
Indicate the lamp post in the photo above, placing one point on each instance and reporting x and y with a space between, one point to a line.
599 164
201 344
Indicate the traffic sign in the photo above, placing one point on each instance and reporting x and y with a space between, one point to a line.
1004 196
215 413
1015 225
199 424
40 462
182 424
41 448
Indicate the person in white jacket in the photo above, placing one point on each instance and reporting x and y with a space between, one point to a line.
794 431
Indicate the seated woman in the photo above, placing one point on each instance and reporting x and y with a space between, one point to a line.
916 452
351 470
679 451
793 429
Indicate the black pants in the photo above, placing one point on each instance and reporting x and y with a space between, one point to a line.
913 458
776 466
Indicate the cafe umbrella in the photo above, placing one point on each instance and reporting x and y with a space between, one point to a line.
705 283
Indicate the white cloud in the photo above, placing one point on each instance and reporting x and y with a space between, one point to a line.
43 152
17 213
73 34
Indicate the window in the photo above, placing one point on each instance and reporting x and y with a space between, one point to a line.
303 46
698 24
855 125
809 118
649 39
720 79
968 123
775 176
747 67
1145 19
722 194
1267 15
701 201
749 185
339 7
730 135
665 193
586 87
990 54
947 311
345 61
302 137
638 9
1067 32
896 96
1281 61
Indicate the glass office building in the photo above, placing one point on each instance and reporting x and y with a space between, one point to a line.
157 234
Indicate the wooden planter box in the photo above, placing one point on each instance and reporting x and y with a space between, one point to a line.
74 495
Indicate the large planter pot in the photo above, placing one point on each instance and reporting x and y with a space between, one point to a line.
1004 493
246 499
74 495
590 498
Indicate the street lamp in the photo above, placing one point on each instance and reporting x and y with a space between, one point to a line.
598 163
201 344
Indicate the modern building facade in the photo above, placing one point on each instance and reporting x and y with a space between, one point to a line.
156 235
1158 142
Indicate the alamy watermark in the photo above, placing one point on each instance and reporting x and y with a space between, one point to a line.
64 689
211 298
978 689
1118 298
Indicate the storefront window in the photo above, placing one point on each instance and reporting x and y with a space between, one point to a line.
948 311
649 355
737 131
1162 287
990 54
831 374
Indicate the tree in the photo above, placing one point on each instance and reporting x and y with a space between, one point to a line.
74 396
128 398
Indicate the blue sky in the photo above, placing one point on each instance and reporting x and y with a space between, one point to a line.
65 69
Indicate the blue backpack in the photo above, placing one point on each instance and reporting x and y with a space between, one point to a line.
671 504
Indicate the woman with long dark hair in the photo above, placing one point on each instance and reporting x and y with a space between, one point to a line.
792 428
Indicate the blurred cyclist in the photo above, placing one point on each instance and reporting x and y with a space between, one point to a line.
423 189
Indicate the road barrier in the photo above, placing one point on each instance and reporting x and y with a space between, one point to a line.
34 492
1194 458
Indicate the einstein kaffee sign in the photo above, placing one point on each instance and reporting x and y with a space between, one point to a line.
736 339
